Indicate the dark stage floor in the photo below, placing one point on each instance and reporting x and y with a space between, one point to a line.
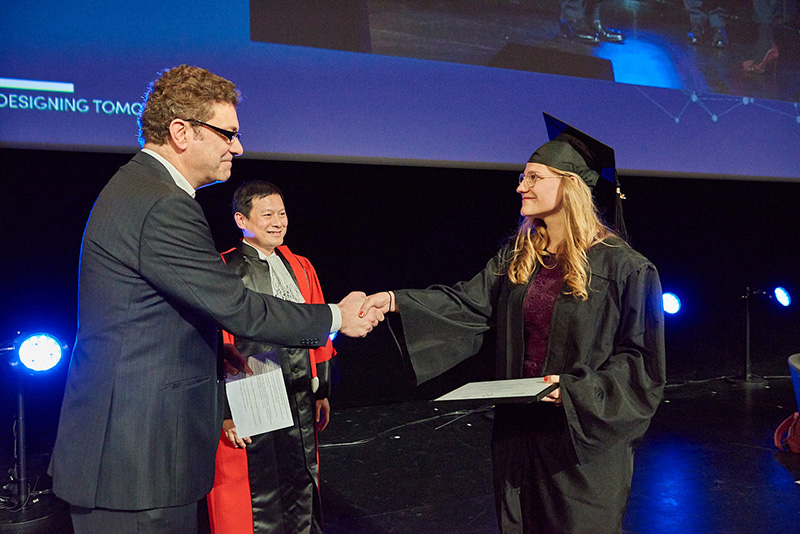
706 466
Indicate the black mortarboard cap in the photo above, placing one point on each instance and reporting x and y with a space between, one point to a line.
569 149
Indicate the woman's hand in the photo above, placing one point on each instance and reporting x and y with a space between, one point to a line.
230 432
555 395
384 301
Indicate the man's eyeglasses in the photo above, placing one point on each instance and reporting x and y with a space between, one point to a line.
227 134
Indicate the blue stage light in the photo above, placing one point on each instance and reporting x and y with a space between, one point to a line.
39 352
782 296
333 336
672 304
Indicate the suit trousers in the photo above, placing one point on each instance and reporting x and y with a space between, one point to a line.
712 14
172 520
579 10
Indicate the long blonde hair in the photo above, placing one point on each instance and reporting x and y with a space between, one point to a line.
583 230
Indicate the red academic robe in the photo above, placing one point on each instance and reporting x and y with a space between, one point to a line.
231 501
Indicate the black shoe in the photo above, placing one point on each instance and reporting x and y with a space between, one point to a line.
719 40
578 31
607 34
696 34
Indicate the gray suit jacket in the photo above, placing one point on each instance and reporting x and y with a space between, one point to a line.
142 409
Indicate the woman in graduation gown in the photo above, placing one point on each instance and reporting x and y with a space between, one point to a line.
569 300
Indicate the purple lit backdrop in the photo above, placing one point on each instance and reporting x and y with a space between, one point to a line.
302 103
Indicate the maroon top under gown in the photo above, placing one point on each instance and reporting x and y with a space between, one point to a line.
538 310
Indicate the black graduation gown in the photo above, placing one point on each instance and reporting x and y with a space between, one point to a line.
282 465
556 469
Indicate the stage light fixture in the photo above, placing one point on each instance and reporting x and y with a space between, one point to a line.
671 303
24 508
39 352
782 296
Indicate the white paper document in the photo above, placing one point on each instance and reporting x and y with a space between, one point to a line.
513 390
259 402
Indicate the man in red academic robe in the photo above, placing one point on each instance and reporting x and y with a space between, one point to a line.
270 482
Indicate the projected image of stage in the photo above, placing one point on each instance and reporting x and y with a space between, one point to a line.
659 48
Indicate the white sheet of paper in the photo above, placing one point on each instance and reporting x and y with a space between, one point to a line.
524 389
259 402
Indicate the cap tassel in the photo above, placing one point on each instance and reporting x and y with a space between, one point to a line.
619 219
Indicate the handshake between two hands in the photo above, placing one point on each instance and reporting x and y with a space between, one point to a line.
361 313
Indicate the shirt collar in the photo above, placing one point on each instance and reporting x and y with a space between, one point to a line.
177 177
261 255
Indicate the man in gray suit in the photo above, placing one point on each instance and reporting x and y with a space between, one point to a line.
142 409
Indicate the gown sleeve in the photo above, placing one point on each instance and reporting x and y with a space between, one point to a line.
445 325
615 401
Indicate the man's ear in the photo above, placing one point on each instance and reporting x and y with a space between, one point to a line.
240 220
178 133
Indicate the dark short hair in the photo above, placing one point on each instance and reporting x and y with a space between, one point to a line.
183 92
243 196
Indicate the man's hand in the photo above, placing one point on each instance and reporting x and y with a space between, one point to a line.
323 414
230 432
358 322
233 360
